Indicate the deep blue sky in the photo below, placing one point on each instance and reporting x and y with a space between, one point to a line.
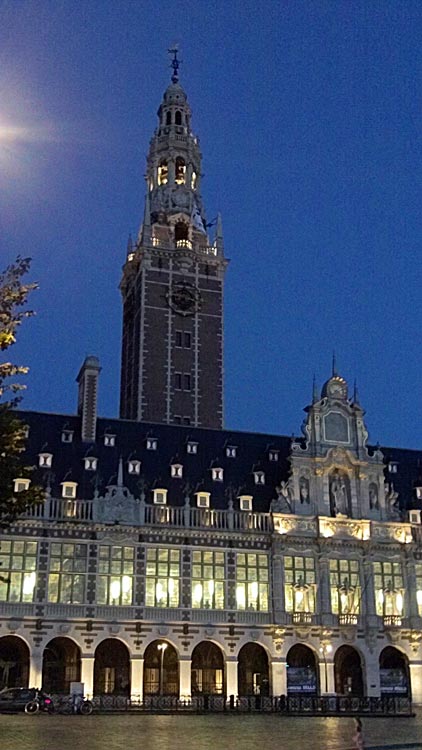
309 115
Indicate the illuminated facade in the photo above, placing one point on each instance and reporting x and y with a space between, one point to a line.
173 559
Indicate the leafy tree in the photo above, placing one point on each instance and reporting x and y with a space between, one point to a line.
13 297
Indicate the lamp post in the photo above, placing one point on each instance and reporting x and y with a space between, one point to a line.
162 647
325 648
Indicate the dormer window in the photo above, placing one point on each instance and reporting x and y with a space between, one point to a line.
392 467
176 471
90 463
418 492
21 485
203 499
180 171
67 436
151 444
414 516
45 460
160 496
109 440
25 431
273 455
259 477
133 466
231 451
192 447
217 475
245 502
69 490
163 173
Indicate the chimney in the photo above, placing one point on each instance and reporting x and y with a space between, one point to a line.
87 397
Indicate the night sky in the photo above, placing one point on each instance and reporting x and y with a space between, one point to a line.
309 116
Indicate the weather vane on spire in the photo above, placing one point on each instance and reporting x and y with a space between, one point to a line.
175 63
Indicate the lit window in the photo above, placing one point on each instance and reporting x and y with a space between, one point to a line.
245 502
110 440
180 171
217 475
176 471
252 582
345 587
116 574
299 584
18 571
208 579
160 496
389 588
45 460
392 467
21 485
203 499
259 477
162 577
231 451
273 455
193 181
134 467
191 447
67 574
163 173
418 569
69 490
67 436
151 444
90 463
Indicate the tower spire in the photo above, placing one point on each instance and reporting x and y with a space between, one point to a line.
175 63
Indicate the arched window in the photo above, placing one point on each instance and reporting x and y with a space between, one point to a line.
178 119
163 173
181 231
168 118
180 171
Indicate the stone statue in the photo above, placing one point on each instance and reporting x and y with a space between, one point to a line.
338 496
392 503
373 497
283 502
304 491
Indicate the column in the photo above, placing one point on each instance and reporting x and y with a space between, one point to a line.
185 677
35 669
368 585
231 677
372 669
415 669
326 676
324 591
278 677
278 588
87 675
411 604
137 678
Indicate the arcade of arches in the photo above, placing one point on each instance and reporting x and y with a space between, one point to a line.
162 671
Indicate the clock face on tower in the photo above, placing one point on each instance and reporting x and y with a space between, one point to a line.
184 299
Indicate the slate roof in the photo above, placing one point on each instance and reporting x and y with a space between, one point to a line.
252 454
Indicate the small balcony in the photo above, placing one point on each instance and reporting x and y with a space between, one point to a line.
393 621
303 618
348 619
184 244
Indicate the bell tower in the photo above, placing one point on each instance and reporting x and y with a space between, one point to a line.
172 285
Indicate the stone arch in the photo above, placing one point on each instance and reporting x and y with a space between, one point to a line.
207 669
61 665
394 672
178 117
14 662
112 668
348 672
253 670
161 669
302 672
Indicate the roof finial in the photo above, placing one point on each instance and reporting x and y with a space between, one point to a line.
175 63
314 391
335 373
356 394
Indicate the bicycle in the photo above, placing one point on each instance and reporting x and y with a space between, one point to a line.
76 704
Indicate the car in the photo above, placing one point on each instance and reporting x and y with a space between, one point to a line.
30 700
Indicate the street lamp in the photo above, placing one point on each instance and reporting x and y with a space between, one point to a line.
162 647
324 650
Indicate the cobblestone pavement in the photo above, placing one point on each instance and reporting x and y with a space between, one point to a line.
135 732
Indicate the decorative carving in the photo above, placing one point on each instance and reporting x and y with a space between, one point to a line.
339 495
304 491
283 502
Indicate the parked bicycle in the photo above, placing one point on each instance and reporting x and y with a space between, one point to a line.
76 704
